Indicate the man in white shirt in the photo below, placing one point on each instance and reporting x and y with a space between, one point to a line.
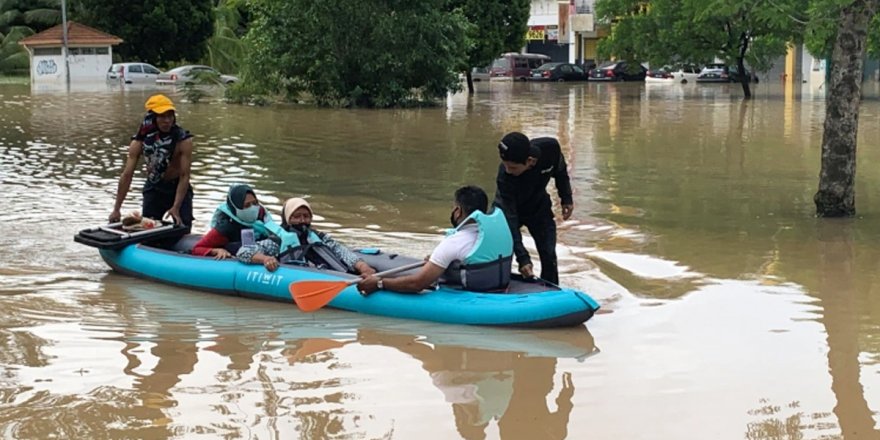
457 247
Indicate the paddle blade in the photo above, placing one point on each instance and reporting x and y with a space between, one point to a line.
312 295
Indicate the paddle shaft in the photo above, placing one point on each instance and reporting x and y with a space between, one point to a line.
403 268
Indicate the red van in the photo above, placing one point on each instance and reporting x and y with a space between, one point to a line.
517 66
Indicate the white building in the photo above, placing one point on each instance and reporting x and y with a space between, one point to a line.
89 54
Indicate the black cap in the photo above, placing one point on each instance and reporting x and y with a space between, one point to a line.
514 147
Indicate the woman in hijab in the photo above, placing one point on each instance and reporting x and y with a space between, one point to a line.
238 213
296 220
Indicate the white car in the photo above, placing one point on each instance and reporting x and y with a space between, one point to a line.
669 75
187 75
130 73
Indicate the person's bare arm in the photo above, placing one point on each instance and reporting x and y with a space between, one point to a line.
135 148
414 283
184 148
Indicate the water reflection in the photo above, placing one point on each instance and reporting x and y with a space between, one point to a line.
843 319
175 363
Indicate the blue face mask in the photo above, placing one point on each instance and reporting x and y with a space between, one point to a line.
248 215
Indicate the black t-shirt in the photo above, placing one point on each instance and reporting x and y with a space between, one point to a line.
525 197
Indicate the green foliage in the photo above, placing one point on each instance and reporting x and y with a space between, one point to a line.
372 53
157 31
664 31
822 30
19 19
225 49
497 26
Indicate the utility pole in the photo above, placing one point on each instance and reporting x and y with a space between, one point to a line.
64 41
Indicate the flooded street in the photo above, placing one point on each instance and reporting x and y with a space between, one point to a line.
730 312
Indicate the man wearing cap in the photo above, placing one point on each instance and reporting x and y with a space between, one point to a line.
525 170
167 150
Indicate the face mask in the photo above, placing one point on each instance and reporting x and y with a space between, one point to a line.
302 227
248 215
452 218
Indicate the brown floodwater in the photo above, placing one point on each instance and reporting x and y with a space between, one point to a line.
731 312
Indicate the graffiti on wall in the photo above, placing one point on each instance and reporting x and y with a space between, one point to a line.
47 67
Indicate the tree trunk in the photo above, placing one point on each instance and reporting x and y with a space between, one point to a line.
836 196
744 79
470 82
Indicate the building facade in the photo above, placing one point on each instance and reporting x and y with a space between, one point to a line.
88 55
564 30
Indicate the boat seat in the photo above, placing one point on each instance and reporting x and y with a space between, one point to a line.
187 242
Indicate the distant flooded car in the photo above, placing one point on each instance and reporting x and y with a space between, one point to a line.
618 71
560 72
673 75
187 75
130 73
721 73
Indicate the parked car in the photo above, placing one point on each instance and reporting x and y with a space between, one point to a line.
130 73
516 65
184 75
480 74
618 71
720 73
558 72
673 75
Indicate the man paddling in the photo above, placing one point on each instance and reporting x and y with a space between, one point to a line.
476 254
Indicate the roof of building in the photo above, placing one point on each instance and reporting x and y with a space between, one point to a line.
77 34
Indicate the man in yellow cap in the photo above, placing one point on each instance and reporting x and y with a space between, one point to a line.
167 151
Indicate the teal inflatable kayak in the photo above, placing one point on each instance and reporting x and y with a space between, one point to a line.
525 303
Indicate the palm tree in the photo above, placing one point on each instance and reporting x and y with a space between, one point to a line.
19 19
225 48
14 58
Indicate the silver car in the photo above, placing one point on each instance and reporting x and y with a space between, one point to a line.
184 75
130 73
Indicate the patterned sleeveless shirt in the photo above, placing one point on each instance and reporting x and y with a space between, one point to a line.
158 147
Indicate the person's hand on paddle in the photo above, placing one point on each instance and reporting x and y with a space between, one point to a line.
527 270
174 213
368 285
115 216
566 211
220 253
363 268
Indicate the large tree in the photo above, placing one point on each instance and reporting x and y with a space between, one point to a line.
371 53
155 31
498 26
735 31
847 38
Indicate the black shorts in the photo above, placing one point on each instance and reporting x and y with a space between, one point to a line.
159 198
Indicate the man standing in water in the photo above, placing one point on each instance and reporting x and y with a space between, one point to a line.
526 168
167 150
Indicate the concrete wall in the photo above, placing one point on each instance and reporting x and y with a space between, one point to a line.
86 64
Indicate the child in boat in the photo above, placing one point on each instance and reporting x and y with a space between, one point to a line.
239 212
299 239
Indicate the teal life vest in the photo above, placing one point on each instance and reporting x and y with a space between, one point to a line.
487 266
292 251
